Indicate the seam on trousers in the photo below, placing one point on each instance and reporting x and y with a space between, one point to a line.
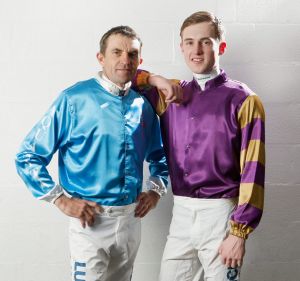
117 230
186 278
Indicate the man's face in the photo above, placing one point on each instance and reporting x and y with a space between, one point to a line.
121 58
200 48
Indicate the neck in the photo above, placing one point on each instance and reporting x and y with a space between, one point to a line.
110 86
107 78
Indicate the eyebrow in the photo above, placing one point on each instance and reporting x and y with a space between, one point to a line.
203 38
130 51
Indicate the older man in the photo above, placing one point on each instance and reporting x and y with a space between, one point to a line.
103 130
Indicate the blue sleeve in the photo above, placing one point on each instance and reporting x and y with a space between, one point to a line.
51 133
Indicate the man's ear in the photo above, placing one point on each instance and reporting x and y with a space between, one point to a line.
222 48
100 58
141 60
181 44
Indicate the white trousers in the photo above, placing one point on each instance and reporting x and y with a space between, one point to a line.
197 230
107 250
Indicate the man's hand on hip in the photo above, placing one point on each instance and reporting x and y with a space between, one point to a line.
146 202
232 251
84 210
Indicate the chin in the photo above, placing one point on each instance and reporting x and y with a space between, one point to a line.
198 71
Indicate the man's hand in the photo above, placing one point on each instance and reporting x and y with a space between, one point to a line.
172 91
146 202
232 251
84 210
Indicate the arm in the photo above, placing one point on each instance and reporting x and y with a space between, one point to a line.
36 151
51 133
158 171
165 91
251 118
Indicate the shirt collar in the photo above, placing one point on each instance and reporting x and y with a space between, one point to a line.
215 81
203 78
111 87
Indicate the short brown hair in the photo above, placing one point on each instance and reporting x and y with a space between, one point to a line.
121 29
203 16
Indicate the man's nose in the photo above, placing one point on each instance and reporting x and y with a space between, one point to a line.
125 58
198 48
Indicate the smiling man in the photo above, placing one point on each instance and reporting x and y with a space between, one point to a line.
214 143
103 130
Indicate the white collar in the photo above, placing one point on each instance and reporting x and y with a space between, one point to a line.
203 78
111 87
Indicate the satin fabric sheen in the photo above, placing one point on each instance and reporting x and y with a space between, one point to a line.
102 141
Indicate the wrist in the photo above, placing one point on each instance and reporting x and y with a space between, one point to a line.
238 238
152 79
156 185
154 194
59 201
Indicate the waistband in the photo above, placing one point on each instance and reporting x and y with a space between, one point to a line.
115 211
203 202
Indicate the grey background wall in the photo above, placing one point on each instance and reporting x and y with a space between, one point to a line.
46 46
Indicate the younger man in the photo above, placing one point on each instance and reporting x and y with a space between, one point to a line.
214 143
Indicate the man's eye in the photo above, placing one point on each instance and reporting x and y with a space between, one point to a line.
133 55
207 42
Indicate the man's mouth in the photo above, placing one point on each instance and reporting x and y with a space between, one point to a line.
197 60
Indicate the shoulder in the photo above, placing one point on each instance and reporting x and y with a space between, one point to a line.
81 88
184 83
238 88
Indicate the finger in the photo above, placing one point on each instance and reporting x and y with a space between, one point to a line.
144 213
99 209
90 203
228 262
139 208
171 99
178 92
142 210
239 263
233 263
90 211
90 220
88 217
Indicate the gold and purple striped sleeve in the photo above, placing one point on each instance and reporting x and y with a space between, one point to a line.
155 96
251 118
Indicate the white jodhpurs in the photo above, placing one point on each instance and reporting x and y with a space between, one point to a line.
107 250
197 230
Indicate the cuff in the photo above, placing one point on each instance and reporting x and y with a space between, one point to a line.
240 230
157 185
53 194
142 80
